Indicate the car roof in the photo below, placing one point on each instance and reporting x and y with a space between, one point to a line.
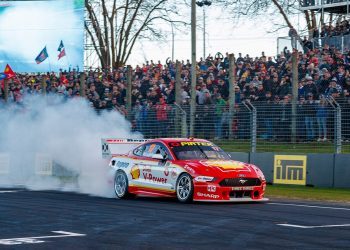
167 140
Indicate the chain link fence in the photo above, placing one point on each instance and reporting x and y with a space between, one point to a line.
321 126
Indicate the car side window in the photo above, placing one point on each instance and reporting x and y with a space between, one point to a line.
161 149
139 150
148 150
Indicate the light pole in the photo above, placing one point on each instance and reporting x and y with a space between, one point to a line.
193 67
203 3
173 42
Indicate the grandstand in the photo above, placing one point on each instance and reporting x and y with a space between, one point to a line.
331 6
155 96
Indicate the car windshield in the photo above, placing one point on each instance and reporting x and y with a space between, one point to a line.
197 151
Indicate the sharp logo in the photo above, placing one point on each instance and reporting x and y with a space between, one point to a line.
242 181
290 169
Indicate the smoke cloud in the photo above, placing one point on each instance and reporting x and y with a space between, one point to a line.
68 132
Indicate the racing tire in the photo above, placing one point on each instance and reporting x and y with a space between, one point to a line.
184 188
121 185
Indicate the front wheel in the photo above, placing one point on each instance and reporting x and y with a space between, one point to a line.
184 188
121 185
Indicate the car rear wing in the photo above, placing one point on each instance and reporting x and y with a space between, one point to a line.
106 142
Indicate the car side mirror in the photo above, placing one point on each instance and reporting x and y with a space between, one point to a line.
158 157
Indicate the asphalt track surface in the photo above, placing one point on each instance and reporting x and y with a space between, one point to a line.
57 220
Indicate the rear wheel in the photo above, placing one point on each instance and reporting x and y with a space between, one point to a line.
121 185
184 188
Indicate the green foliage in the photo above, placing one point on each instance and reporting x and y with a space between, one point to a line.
308 193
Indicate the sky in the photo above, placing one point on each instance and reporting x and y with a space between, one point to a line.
26 27
223 35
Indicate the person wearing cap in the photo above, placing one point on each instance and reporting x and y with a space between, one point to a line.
310 86
200 81
334 88
324 82
240 69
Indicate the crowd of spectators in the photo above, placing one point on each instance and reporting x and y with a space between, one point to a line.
264 81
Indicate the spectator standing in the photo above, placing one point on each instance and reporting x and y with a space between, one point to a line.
219 108
309 109
321 115
162 117
310 87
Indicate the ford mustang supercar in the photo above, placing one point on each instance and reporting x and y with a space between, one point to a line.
189 169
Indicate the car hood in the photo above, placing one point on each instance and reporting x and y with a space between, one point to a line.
221 168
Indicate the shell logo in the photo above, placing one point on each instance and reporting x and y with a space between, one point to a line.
135 172
224 165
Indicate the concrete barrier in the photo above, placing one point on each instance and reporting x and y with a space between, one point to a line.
319 170
342 171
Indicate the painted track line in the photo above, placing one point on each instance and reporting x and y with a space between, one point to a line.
308 227
8 191
309 206
38 239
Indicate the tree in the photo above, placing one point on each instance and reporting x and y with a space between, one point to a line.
285 9
114 27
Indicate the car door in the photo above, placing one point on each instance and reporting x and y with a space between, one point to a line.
163 169
144 173
153 173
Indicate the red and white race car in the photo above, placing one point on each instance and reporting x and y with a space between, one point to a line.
189 169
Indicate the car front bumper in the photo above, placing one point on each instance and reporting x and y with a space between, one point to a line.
216 193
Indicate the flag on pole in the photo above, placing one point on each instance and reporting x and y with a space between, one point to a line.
9 72
62 50
42 56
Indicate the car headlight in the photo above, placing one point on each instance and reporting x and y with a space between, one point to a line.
204 178
259 173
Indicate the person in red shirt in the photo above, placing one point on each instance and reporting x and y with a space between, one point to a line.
162 117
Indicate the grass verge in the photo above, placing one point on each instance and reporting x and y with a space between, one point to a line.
308 193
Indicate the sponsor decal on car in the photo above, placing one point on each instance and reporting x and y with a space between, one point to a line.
242 188
225 165
190 143
212 196
135 172
146 169
173 174
149 176
189 169
121 164
211 188
166 171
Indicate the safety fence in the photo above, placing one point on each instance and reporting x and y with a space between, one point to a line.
321 126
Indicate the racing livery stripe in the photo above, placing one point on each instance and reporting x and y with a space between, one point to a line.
151 188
